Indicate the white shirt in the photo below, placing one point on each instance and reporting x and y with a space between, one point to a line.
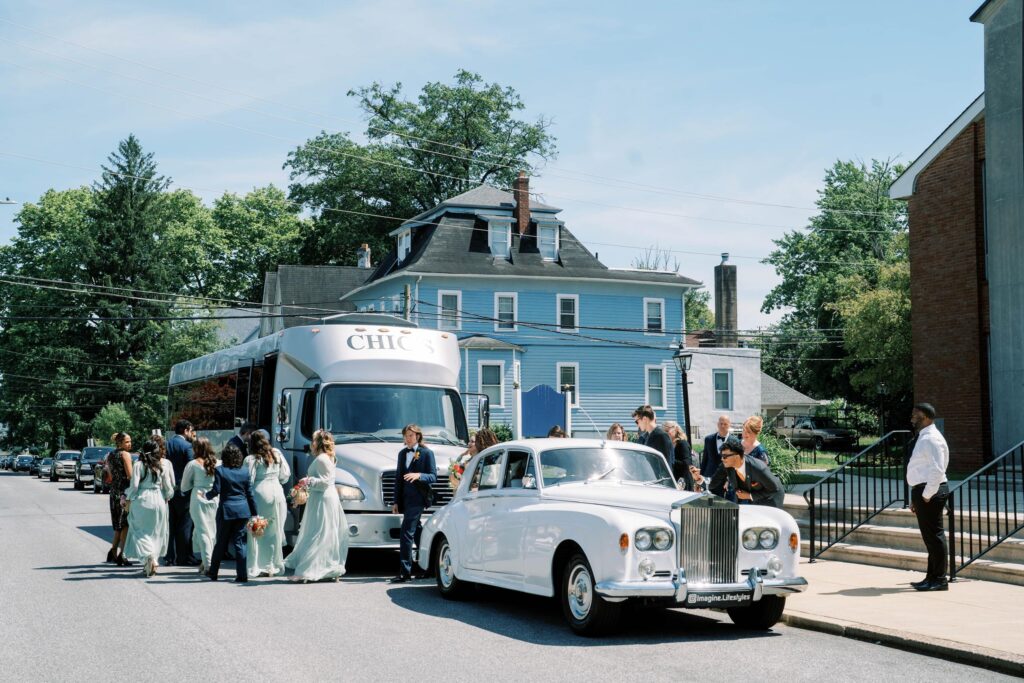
929 461
409 455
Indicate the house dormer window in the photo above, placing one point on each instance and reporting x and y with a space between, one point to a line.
404 244
499 237
547 241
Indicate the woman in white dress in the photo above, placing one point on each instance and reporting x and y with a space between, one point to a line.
322 546
268 472
152 486
198 478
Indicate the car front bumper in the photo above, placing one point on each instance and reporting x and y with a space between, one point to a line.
85 477
700 595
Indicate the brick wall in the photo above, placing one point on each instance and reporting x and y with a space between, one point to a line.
949 296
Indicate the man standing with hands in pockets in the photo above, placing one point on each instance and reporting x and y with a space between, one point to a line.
415 472
926 475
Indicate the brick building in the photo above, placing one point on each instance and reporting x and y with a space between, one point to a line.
965 196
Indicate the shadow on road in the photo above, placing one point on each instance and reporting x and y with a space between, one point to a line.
104 533
538 620
869 592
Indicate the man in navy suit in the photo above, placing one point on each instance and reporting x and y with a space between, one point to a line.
241 439
179 543
713 448
415 472
236 508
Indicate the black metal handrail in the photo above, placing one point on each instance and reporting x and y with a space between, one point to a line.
876 480
985 509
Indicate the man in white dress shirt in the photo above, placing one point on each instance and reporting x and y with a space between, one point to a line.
926 475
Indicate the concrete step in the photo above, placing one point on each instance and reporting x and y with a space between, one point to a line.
905 538
985 570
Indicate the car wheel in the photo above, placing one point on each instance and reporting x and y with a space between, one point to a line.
450 586
79 485
760 616
588 613
53 478
819 443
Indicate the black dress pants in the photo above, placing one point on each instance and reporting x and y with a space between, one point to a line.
929 519
410 536
179 545
230 531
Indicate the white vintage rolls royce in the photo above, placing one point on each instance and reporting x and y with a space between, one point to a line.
598 523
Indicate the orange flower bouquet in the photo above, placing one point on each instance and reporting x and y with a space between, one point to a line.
300 492
257 526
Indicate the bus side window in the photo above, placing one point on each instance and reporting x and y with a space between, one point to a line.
308 413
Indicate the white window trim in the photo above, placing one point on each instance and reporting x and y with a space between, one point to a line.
558 381
507 227
441 293
558 312
647 387
480 379
558 238
714 391
404 235
515 312
661 302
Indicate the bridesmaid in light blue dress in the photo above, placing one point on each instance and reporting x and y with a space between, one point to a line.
322 545
268 472
198 478
152 486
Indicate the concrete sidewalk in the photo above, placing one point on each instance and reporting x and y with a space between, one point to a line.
976 622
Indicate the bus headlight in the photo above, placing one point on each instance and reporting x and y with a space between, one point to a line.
346 492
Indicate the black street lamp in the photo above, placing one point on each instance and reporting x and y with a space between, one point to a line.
684 361
883 391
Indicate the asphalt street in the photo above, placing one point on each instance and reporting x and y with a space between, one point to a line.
65 615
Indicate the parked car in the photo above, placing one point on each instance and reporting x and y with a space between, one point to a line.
600 524
820 433
88 465
45 465
23 463
64 465
34 467
5 462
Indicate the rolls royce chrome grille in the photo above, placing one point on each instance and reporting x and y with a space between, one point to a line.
709 540
442 491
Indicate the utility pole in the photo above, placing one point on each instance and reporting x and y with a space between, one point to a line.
407 301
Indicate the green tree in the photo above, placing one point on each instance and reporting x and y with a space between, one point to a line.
110 420
418 153
858 231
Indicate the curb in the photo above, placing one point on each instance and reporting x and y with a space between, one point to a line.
997 660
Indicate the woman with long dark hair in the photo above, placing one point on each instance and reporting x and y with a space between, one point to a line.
322 546
198 478
268 471
118 466
235 510
152 486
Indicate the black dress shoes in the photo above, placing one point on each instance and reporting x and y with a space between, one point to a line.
918 584
210 576
401 578
935 585
241 580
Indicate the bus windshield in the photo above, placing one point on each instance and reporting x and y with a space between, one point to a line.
355 412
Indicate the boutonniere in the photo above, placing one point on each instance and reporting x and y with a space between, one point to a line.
415 454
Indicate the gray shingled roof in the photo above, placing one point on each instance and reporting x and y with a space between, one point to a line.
316 290
485 196
484 343
775 393
458 245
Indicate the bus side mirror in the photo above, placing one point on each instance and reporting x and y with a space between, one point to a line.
483 412
284 408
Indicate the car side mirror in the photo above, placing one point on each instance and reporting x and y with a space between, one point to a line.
529 482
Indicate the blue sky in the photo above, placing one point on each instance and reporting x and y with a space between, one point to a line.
746 100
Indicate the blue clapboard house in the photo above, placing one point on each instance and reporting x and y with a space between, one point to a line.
524 296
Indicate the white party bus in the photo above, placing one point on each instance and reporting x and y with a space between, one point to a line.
360 376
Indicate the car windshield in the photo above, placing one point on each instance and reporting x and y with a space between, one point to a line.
566 465
378 412
25 458
47 461
67 456
94 454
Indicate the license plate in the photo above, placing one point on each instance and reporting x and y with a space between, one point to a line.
719 599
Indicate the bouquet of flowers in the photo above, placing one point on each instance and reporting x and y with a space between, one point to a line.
300 492
257 525
455 470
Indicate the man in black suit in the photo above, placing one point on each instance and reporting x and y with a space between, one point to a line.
657 438
415 472
750 478
712 448
179 544
235 509
241 439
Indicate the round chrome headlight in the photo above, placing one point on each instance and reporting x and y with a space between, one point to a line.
642 540
662 539
749 539
774 566
646 568
768 539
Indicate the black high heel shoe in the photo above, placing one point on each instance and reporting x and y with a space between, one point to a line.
122 561
111 557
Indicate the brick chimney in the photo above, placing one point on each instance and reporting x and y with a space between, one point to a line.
363 254
725 304
521 193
